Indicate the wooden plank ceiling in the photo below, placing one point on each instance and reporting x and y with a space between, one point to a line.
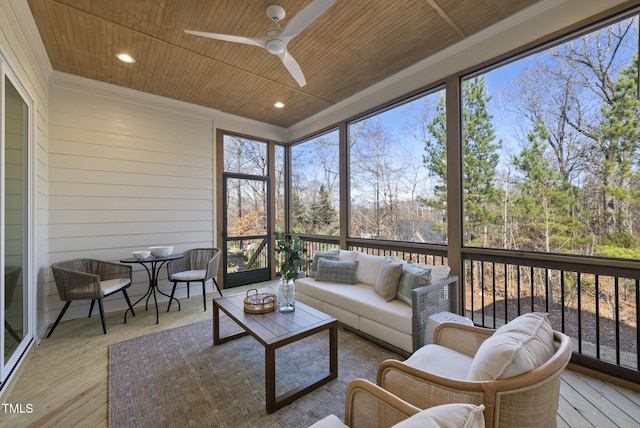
353 45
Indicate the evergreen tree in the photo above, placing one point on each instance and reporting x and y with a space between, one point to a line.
322 218
298 212
545 200
620 131
480 159
436 157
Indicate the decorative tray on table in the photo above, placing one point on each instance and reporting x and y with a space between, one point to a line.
259 303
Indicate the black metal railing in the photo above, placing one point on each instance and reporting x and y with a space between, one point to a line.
594 303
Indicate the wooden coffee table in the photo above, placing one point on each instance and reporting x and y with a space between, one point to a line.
274 330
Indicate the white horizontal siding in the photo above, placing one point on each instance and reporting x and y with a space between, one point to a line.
124 176
22 49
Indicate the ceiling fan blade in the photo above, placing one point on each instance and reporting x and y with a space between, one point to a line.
306 16
292 66
229 38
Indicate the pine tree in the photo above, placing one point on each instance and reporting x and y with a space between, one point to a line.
545 200
322 218
480 159
620 131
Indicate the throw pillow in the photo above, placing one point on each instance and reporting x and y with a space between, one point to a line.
330 254
331 421
517 347
457 415
388 278
348 255
336 271
369 267
412 277
438 272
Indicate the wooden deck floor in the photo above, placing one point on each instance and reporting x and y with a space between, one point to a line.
65 378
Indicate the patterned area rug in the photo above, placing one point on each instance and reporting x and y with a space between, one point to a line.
177 378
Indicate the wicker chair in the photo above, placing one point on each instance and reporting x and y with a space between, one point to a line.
198 265
11 275
526 400
369 406
82 279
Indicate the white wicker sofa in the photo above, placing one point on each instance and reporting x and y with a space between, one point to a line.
397 320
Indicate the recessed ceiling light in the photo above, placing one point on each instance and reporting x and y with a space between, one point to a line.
278 105
126 58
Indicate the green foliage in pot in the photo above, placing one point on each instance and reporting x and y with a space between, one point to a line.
289 254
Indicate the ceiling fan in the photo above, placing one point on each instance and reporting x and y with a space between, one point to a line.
276 38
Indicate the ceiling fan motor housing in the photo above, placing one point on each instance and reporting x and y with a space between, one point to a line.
276 46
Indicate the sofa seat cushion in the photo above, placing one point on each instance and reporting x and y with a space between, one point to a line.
441 361
360 299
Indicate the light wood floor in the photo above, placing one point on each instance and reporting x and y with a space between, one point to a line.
65 378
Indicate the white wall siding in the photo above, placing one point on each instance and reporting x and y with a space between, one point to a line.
125 174
22 49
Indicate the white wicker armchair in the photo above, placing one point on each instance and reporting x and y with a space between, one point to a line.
431 378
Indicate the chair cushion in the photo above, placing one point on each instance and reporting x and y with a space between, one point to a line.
412 277
331 421
441 361
112 285
189 275
388 278
516 348
457 415
336 271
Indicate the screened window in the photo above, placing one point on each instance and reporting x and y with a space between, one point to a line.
242 155
315 185
551 149
397 173
279 188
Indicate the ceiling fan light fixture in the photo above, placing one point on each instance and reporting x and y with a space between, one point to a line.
125 58
276 46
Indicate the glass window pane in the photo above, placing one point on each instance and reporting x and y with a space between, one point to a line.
397 166
15 290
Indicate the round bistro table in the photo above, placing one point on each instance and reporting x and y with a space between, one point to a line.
152 265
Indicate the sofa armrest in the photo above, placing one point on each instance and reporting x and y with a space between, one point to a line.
430 299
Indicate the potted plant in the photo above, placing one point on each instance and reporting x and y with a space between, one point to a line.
289 257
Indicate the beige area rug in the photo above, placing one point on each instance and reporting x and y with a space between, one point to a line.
177 378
